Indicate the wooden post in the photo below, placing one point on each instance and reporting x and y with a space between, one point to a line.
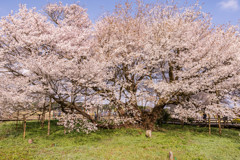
17 120
24 126
43 116
49 117
65 130
209 124
218 116
219 125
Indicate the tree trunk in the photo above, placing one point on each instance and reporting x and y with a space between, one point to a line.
97 112
209 124
219 125
49 117
146 120
109 114
224 122
43 116
149 119
24 126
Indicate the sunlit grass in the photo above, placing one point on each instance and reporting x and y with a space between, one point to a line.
186 143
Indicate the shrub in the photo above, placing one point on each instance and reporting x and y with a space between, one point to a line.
236 121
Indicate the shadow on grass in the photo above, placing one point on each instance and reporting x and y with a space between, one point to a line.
196 130
34 130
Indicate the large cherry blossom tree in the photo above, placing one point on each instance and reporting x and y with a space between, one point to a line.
171 53
157 53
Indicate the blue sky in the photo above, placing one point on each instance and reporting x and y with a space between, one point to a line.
222 11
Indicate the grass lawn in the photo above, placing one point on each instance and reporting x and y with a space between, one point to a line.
185 143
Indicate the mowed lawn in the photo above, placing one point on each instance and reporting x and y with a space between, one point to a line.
125 144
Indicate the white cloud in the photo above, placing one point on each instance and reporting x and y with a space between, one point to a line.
229 4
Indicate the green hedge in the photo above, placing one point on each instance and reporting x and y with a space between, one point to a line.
236 121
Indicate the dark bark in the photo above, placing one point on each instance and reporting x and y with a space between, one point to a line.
149 119
73 106
84 114
182 123
97 114
171 76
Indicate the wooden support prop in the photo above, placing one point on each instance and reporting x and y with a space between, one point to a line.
24 126
219 125
65 130
209 124
17 119
43 116
49 117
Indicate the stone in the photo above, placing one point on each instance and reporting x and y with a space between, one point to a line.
148 133
30 141
170 155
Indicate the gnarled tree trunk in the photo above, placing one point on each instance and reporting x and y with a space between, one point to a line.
149 119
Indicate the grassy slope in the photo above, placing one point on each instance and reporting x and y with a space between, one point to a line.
186 143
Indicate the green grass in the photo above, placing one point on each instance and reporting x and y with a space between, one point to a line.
188 143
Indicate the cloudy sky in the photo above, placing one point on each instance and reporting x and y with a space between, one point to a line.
222 11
